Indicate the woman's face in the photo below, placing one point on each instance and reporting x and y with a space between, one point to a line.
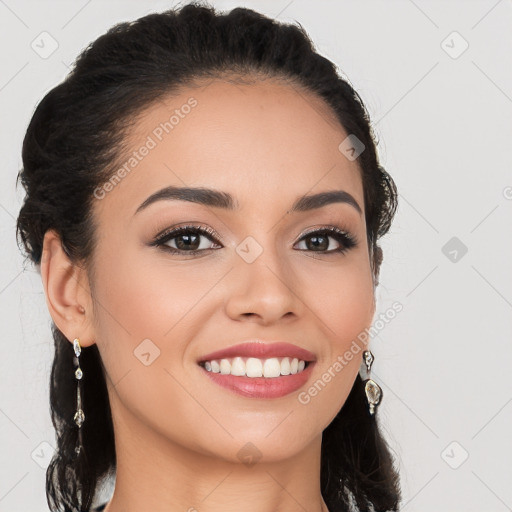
157 313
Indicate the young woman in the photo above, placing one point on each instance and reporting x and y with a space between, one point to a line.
203 202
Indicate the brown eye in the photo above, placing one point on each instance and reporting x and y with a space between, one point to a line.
187 239
318 240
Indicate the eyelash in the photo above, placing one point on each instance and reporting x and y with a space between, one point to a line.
346 240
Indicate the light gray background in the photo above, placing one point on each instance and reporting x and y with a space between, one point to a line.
444 123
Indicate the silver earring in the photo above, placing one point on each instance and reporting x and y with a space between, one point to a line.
79 414
372 389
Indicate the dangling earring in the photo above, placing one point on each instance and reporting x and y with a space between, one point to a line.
372 390
79 414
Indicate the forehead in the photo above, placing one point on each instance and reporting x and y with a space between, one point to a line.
262 143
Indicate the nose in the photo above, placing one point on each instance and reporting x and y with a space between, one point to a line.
263 291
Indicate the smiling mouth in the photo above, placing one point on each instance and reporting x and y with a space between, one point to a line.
253 367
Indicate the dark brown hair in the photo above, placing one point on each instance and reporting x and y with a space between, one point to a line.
73 144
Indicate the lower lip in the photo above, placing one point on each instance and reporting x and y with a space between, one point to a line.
262 387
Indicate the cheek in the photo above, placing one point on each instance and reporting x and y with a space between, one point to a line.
343 300
148 296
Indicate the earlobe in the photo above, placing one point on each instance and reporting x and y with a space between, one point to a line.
67 291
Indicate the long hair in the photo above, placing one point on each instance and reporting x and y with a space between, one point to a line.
74 143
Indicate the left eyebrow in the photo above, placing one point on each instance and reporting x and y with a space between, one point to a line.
219 199
321 199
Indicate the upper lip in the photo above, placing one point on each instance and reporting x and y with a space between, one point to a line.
261 349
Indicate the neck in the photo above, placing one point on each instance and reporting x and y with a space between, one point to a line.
155 473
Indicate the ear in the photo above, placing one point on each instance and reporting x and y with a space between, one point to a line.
66 286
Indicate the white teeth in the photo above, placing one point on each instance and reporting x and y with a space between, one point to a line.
225 366
238 367
254 367
272 368
285 366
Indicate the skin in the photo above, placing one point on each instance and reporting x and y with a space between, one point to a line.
178 433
